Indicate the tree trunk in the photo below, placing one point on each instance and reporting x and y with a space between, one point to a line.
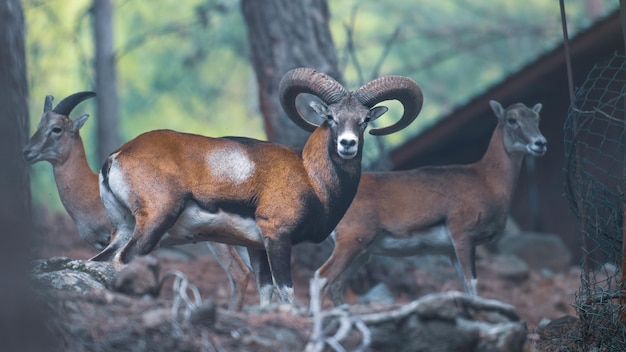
20 323
285 34
106 81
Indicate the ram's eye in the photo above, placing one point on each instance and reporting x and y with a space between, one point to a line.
367 120
330 117
511 121
57 130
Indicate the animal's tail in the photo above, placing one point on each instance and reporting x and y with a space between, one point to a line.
106 192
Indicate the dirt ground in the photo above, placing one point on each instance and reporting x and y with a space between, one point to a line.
536 298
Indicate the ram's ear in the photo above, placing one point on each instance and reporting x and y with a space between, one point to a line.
320 109
79 122
376 112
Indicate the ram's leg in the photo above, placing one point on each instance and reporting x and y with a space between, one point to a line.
109 251
351 251
343 262
120 236
336 289
464 259
470 259
236 270
151 223
241 275
122 221
279 258
261 269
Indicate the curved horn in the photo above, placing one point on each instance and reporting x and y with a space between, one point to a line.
403 89
307 80
65 106
47 104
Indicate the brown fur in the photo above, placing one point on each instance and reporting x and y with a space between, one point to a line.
280 177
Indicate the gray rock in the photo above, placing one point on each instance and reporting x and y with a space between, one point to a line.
155 317
139 277
538 250
510 267
511 229
62 273
204 315
378 294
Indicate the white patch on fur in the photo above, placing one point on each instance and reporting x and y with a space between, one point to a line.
116 200
196 224
434 241
232 164
473 285
285 294
265 294
333 236
116 205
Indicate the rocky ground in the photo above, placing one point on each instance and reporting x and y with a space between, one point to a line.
538 295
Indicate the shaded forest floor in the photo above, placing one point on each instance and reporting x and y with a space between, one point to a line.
538 297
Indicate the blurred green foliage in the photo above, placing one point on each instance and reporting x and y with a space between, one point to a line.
184 65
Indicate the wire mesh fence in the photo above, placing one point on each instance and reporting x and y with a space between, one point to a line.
595 180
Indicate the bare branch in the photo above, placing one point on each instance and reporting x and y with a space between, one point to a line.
350 46
386 50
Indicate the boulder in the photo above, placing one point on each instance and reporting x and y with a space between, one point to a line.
138 278
539 250
62 273
378 294
510 267
511 229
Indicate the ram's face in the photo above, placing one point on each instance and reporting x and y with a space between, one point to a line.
347 120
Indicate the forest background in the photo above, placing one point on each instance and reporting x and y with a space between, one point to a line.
185 65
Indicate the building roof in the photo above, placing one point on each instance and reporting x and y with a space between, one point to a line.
533 83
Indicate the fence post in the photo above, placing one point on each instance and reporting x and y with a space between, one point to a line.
622 301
